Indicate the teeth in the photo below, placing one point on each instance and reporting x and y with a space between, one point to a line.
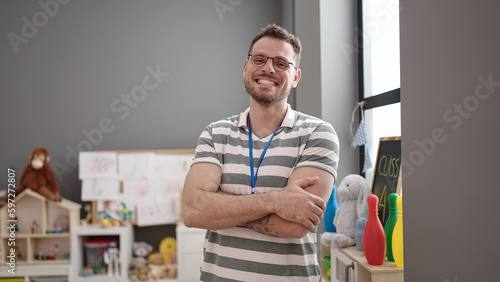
263 81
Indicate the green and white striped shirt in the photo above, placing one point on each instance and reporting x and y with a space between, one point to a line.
240 253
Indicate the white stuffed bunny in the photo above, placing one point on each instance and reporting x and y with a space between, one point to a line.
351 196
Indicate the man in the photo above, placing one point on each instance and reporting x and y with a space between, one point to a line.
260 180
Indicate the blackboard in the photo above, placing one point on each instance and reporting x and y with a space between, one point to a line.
387 173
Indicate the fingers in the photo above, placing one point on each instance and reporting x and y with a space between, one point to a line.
300 206
311 222
308 181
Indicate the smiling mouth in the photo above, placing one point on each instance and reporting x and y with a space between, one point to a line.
266 82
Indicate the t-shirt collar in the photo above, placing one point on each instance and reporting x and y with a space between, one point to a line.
288 121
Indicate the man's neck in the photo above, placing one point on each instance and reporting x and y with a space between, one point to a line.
265 119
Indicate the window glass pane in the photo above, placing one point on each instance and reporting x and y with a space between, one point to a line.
381 122
380 46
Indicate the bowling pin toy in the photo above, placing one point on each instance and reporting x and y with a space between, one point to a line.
374 243
397 236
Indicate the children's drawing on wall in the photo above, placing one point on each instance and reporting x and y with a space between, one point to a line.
97 165
168 166
141 187
137 188
100 189
159 211
135 165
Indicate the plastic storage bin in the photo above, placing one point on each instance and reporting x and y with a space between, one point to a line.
94 252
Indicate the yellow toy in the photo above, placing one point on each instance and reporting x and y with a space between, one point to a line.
167 246
157 267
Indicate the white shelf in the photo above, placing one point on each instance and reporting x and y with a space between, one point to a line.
125 239
28 271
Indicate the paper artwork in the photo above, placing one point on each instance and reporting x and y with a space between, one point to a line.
143 187
157 211
138 188
135 165
100 189
168 166
97 165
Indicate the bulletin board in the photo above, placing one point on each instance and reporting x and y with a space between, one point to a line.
140 187
387 173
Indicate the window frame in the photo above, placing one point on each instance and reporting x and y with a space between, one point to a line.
375 101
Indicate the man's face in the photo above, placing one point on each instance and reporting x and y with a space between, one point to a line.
265 84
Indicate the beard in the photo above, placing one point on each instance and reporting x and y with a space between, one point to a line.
263 97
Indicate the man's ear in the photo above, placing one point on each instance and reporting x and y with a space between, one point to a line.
245 67
296 78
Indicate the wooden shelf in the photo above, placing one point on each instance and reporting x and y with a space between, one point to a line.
359 256
362 271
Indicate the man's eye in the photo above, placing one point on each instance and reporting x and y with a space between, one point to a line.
259 60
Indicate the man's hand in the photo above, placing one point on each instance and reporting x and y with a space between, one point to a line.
297 205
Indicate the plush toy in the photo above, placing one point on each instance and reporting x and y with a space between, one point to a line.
39 176
139 267
140 271
351 195
172 265
141 249
168 245
157 266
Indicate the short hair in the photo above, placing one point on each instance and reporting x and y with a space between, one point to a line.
278 32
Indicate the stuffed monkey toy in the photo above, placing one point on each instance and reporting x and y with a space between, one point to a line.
39 176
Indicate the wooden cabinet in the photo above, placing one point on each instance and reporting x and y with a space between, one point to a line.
350 265
189 252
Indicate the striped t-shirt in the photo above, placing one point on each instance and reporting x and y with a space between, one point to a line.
240 253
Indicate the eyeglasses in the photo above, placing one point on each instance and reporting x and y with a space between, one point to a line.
279 63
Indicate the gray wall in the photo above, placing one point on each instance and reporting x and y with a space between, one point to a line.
74 74
71 78
450 130
328 87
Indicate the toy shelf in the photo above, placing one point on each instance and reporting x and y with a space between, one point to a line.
42 229
40 225
125 238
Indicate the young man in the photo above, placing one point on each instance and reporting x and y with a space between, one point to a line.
260 179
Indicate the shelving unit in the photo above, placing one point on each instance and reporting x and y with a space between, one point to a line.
189 252
123 234
350 265
35 248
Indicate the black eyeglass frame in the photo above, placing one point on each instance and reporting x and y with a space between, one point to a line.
272 59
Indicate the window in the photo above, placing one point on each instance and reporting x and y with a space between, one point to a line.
379 83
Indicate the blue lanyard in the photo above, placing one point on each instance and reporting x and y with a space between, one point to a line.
252 174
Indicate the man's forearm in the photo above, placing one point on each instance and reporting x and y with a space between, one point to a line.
204 206
209 210
273 225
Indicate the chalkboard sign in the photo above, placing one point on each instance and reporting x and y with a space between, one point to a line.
387 173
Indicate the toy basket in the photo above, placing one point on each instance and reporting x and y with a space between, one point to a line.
94 252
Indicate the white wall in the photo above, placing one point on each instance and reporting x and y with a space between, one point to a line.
450 137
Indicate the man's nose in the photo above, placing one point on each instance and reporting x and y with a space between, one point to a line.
269 65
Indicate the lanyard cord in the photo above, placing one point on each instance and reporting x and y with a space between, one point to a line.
253 176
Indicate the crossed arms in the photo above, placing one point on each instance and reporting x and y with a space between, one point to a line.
290 213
